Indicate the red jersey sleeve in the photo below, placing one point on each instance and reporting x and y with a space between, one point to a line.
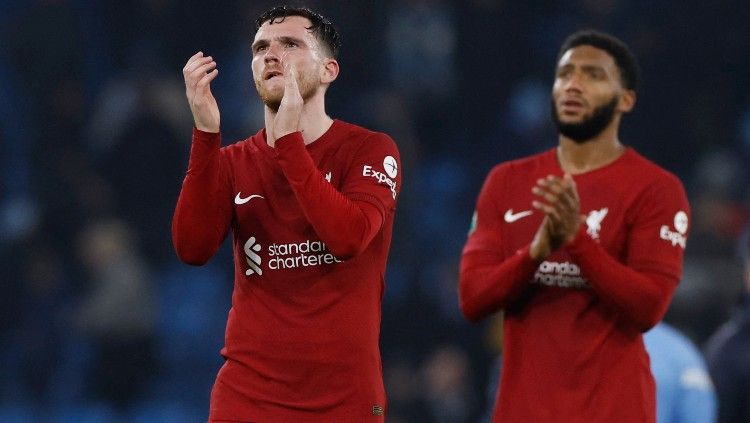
203 213
643 285
489 281
348 220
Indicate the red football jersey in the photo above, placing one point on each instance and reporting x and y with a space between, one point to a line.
573 349
311 231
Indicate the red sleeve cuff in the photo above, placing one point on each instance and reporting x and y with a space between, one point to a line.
203 147
528 264
206 136
294 159
289 143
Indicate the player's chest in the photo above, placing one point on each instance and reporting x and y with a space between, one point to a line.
264 200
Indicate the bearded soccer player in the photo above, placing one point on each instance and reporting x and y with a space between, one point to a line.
581 247
310 201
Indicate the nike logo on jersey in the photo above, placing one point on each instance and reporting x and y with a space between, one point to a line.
511 217
239 200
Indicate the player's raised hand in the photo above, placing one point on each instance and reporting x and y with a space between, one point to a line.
290 110
558 199
199 71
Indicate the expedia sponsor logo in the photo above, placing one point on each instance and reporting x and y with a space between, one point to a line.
391 166
564 275
381 177
679 236
287 256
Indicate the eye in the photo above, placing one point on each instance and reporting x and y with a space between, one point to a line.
291 44
595 74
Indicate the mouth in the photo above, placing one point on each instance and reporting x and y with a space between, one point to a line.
271 74
571 106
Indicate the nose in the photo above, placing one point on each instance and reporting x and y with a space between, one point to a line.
573 83
272 54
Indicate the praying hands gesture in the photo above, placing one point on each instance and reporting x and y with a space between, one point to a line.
558 199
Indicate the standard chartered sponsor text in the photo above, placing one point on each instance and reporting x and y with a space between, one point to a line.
564 275
301 254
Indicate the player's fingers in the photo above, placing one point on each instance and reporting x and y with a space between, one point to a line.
565 189
546 209
195 65
192 63
290 82
567 199
554 186
542 193
206 80
192 58
201 71
547 180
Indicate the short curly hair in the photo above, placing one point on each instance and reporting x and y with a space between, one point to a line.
321 27
624 58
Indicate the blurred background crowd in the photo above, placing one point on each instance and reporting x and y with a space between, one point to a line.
99 321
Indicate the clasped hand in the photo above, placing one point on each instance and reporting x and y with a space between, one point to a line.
558 199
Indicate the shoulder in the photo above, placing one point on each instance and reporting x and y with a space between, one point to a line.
649 172
652 187
358 137
523 167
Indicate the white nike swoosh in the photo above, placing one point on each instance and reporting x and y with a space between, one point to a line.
511 217
240 200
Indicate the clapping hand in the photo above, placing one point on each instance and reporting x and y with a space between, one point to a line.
558 199
290 110
199 71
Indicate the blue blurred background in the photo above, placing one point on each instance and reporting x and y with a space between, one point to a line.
99 321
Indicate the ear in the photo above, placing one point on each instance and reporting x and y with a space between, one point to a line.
627 101
329 71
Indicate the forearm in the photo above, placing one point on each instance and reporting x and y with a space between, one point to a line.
201 218
347 224
642 297
488 283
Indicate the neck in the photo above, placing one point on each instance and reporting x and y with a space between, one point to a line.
576 158
313 123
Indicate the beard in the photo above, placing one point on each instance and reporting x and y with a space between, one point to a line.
590 126
272 99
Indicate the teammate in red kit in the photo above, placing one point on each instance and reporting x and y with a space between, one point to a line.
310 201
581 247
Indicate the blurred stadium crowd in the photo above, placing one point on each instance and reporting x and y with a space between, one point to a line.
99 321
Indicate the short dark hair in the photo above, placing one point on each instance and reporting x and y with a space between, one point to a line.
624 58
321 27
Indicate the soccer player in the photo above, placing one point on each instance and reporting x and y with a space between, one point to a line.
581 246
310 201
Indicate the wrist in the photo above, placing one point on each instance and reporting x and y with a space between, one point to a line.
206 128
537 253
